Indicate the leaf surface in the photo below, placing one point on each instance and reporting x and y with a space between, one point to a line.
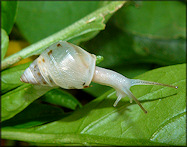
154 19
8 15
4 43
18 99
98 123
10 78
61 98
122 48
35 114
51 16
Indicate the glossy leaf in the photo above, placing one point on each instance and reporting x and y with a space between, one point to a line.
98 123
18 99
10 78
8 15
61 98
4 43
51 16
122 48
154 19
174 136
35 114
143 35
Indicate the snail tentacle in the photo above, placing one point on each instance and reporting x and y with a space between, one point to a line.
119 96
142 82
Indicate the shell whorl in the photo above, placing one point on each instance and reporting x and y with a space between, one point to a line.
33 75
62 64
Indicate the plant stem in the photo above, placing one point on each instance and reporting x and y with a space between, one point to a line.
93 22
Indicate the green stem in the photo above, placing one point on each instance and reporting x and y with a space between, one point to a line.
93 22
71 138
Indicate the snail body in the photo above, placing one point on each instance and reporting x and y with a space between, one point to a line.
70 67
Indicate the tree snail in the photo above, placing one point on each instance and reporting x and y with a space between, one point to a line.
69 66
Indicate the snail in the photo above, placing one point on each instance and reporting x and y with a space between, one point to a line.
71 67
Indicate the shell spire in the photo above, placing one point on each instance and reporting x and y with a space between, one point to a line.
33 75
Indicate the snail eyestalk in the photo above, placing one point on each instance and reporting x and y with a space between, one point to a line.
121 84
142 82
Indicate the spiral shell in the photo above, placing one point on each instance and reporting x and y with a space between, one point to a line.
62 64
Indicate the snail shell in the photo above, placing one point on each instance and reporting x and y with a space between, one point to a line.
62 64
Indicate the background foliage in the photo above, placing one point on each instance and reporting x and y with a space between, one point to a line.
133 38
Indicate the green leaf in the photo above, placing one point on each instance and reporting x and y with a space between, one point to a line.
98 123
61 98
154 19
35 114
120 48
10 78
176 136
8 15
119 45
99 59
18 99
47 21
51 16
4 43
91 23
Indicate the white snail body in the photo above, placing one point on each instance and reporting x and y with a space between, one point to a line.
69 66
